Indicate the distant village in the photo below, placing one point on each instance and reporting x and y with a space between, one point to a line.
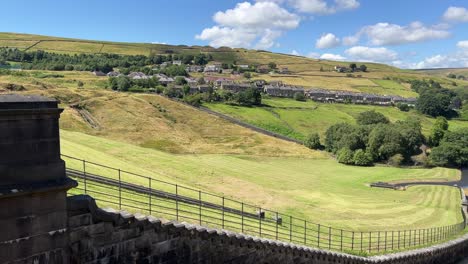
212 82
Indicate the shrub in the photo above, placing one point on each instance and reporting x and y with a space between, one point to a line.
346 156
361 158
403 107
371 118
299 97
313 141
194 100
396 160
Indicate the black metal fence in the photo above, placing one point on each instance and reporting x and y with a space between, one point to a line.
138 193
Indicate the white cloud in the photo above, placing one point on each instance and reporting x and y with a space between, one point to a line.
330 56
323 7
248 25
392 34
456 14
313 55
463 44
350 40
327 41
224 36
360 53
295 52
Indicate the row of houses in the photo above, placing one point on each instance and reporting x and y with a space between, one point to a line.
322 95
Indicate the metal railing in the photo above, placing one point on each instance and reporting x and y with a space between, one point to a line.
138 193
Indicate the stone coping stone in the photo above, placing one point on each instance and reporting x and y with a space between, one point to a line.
16 101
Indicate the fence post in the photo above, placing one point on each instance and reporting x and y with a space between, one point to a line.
318 236
378 241
329 237
370 241
290 228
341 241
120 192
242 217
199 207
361 241
305 232
223 219
150 193
84 174
404 238
352 241
177 201
259 221
276 235
385 245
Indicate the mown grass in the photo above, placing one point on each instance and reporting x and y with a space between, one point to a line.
319 190
299 119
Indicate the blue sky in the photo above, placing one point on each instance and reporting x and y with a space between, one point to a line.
404 33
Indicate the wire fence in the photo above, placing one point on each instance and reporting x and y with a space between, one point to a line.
138 193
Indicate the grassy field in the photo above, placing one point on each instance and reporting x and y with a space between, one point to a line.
305 71
320 190
299 119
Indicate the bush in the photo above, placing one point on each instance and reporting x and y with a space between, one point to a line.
361 158
396 160
313 141
371 118
403 107
346 156
299 97
194 100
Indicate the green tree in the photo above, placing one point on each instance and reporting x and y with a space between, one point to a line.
343 135
403 107
371 118
80 84
452 150
247 75
313 141
272 65
361 158
123 83
433 104
438 131
353 66
299 96
180 80
384 142
345 156
363 68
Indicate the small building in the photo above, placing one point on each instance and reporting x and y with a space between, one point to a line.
235 87
243 66
194 68
177 62
137 75
263 69
99 73
284 70
165 64
340 69
227 71
113 74
205 88
212 68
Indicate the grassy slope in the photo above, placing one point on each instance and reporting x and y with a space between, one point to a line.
320 190
299 119
150 120
306 71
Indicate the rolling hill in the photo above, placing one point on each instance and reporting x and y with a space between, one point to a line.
307 72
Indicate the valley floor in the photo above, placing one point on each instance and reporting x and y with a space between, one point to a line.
317 189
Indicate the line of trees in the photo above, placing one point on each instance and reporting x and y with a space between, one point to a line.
42 60
434 100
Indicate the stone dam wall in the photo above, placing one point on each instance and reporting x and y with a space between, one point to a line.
95 235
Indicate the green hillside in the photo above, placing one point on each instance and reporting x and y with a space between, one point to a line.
304 71
299 119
